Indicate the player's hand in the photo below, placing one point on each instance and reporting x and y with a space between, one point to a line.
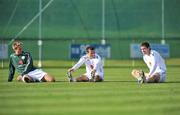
70 70
19 78
93 73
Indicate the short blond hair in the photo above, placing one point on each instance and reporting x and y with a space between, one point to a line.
17 44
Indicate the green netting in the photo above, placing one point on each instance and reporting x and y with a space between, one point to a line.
80 21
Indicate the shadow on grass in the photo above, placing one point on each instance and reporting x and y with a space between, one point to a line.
172 82
120 81
104 81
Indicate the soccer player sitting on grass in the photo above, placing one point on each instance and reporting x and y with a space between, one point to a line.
94 67
155 63
23 63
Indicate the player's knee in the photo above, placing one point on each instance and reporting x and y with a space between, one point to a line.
48 78
133 72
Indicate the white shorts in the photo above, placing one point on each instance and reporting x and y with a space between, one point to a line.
99 74
162 76
37 75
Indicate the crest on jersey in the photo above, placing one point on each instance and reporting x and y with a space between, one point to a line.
23 57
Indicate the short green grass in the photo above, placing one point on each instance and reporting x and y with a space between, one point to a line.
119 94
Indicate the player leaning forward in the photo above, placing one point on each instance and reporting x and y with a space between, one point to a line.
94 67
23 63
155 63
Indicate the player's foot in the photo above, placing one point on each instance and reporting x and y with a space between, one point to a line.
142 78
27 79
69 76
91 80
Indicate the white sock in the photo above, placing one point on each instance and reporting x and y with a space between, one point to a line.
139 78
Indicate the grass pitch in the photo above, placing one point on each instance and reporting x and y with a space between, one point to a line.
118 94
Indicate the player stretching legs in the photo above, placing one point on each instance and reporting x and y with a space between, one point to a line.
94 67
155 63
23 63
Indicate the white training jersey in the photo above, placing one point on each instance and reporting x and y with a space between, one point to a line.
155 62
94 63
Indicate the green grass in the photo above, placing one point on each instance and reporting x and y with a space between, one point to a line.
118 94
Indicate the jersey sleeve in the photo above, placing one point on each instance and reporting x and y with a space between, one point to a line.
98 62
153 64
29 64
79 63
11 70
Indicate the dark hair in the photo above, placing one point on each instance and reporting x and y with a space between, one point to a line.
146 44
89 48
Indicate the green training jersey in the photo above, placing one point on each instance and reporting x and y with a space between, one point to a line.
23 63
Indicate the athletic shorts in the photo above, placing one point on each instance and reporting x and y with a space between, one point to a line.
162 76
99 74
37 75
